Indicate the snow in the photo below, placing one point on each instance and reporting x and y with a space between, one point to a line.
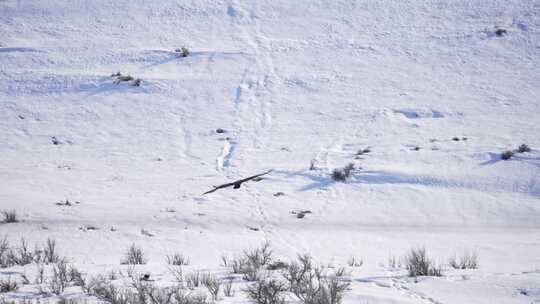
291 82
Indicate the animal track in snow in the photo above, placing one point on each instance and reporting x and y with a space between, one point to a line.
224 158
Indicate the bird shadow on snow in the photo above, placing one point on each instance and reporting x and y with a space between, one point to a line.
322 181
369 177
319 181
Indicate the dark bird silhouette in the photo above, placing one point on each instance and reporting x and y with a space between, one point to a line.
238 183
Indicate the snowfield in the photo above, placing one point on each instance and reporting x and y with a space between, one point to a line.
427 86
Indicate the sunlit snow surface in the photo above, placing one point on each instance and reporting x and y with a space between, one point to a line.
292 83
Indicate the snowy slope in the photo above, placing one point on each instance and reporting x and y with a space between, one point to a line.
291 82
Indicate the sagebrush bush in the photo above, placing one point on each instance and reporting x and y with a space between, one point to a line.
238 264
134 256
7 285
260 256
184 52
213 285
500 32
506 155
23 256
5 261
63 276
338 175
106 291
251 262
49 253
523 148
195 279
465 261
178 274
9 216
228 290
342 174
354 262
269 291
75 276
59 279
312 285
177 259
251 273
419 264
142 292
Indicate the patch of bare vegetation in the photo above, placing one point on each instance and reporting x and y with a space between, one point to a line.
9 216
134 256
418 263
467 260
342 174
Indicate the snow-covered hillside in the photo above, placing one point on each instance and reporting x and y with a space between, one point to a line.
427 86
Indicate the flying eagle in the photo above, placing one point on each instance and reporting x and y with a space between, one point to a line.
238 183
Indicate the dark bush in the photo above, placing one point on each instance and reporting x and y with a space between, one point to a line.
506 155
363 151
50 254
523 148
9 216
338 175
465 261
183 52
500 32
341 175
177 259
7 285
124 78
267 292
311 285
196 279
134 256
419 264
213 285
251 262
228 290
355 262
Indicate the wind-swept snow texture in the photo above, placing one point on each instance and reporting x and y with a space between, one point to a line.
428 86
